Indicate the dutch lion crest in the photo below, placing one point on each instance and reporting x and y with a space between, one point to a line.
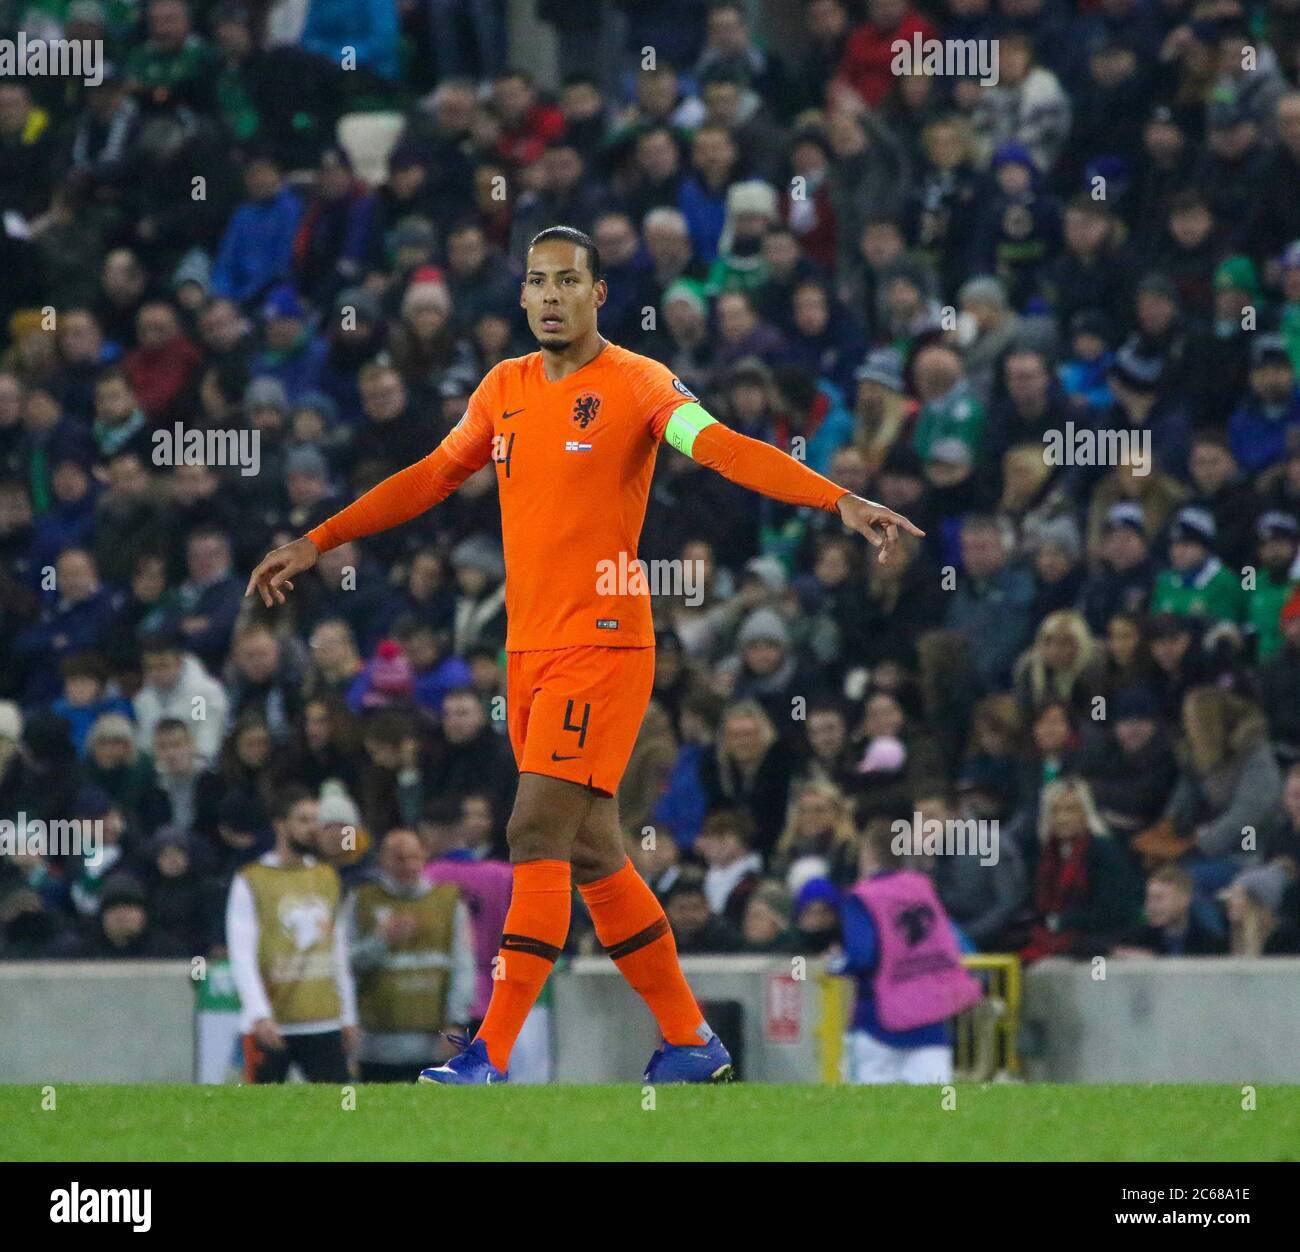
585 409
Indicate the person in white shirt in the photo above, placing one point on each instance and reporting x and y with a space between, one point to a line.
289 955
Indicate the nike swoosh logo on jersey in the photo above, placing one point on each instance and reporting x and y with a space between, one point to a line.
565 758
510 413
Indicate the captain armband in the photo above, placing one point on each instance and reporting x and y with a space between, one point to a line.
687 421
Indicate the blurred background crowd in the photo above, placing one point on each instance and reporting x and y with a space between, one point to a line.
906 280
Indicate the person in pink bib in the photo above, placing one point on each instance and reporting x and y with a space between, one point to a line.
905 954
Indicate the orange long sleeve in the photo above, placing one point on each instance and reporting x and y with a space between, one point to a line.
763 468
397 499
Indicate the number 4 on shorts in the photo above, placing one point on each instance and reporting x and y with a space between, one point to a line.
580 727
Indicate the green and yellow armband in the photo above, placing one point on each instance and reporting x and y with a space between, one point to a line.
687 421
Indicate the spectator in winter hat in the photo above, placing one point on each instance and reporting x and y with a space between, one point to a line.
817 915
293 354
183 903
342 839
122 929
752 207
1056 545
266 403
1196 582
1278 536
423 343
994 328
387 679
480 606
766 666
1019 227
1087 358
883 407
1154 422
1127 573
1258 429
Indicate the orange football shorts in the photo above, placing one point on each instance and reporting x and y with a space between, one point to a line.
574 713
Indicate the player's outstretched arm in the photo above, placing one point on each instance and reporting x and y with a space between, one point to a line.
769 471
397 499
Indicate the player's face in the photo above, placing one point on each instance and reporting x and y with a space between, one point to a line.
559 295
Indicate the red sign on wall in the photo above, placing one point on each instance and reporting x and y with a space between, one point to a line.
783 1009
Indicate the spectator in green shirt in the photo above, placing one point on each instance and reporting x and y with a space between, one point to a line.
949 409
1197 583
173 63
1278 534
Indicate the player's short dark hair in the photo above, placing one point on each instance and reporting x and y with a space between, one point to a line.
570 234
168 724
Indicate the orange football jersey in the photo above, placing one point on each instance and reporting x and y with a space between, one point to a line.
574 460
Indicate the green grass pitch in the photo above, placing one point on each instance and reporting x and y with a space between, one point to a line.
739 1122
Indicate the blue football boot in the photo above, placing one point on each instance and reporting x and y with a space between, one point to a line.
708 1062
470 1067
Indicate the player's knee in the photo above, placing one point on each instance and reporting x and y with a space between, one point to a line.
532 836
591 864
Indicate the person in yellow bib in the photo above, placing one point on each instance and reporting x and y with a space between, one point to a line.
412 952
289 955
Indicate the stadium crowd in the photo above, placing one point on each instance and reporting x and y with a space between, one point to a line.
919 284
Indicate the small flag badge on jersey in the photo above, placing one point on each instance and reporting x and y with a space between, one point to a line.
573 445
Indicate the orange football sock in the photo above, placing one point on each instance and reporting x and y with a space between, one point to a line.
536 928
631 926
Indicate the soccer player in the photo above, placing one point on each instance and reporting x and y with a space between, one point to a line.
573 430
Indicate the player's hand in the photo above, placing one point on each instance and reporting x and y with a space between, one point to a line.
267 1034
276 568
877 524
